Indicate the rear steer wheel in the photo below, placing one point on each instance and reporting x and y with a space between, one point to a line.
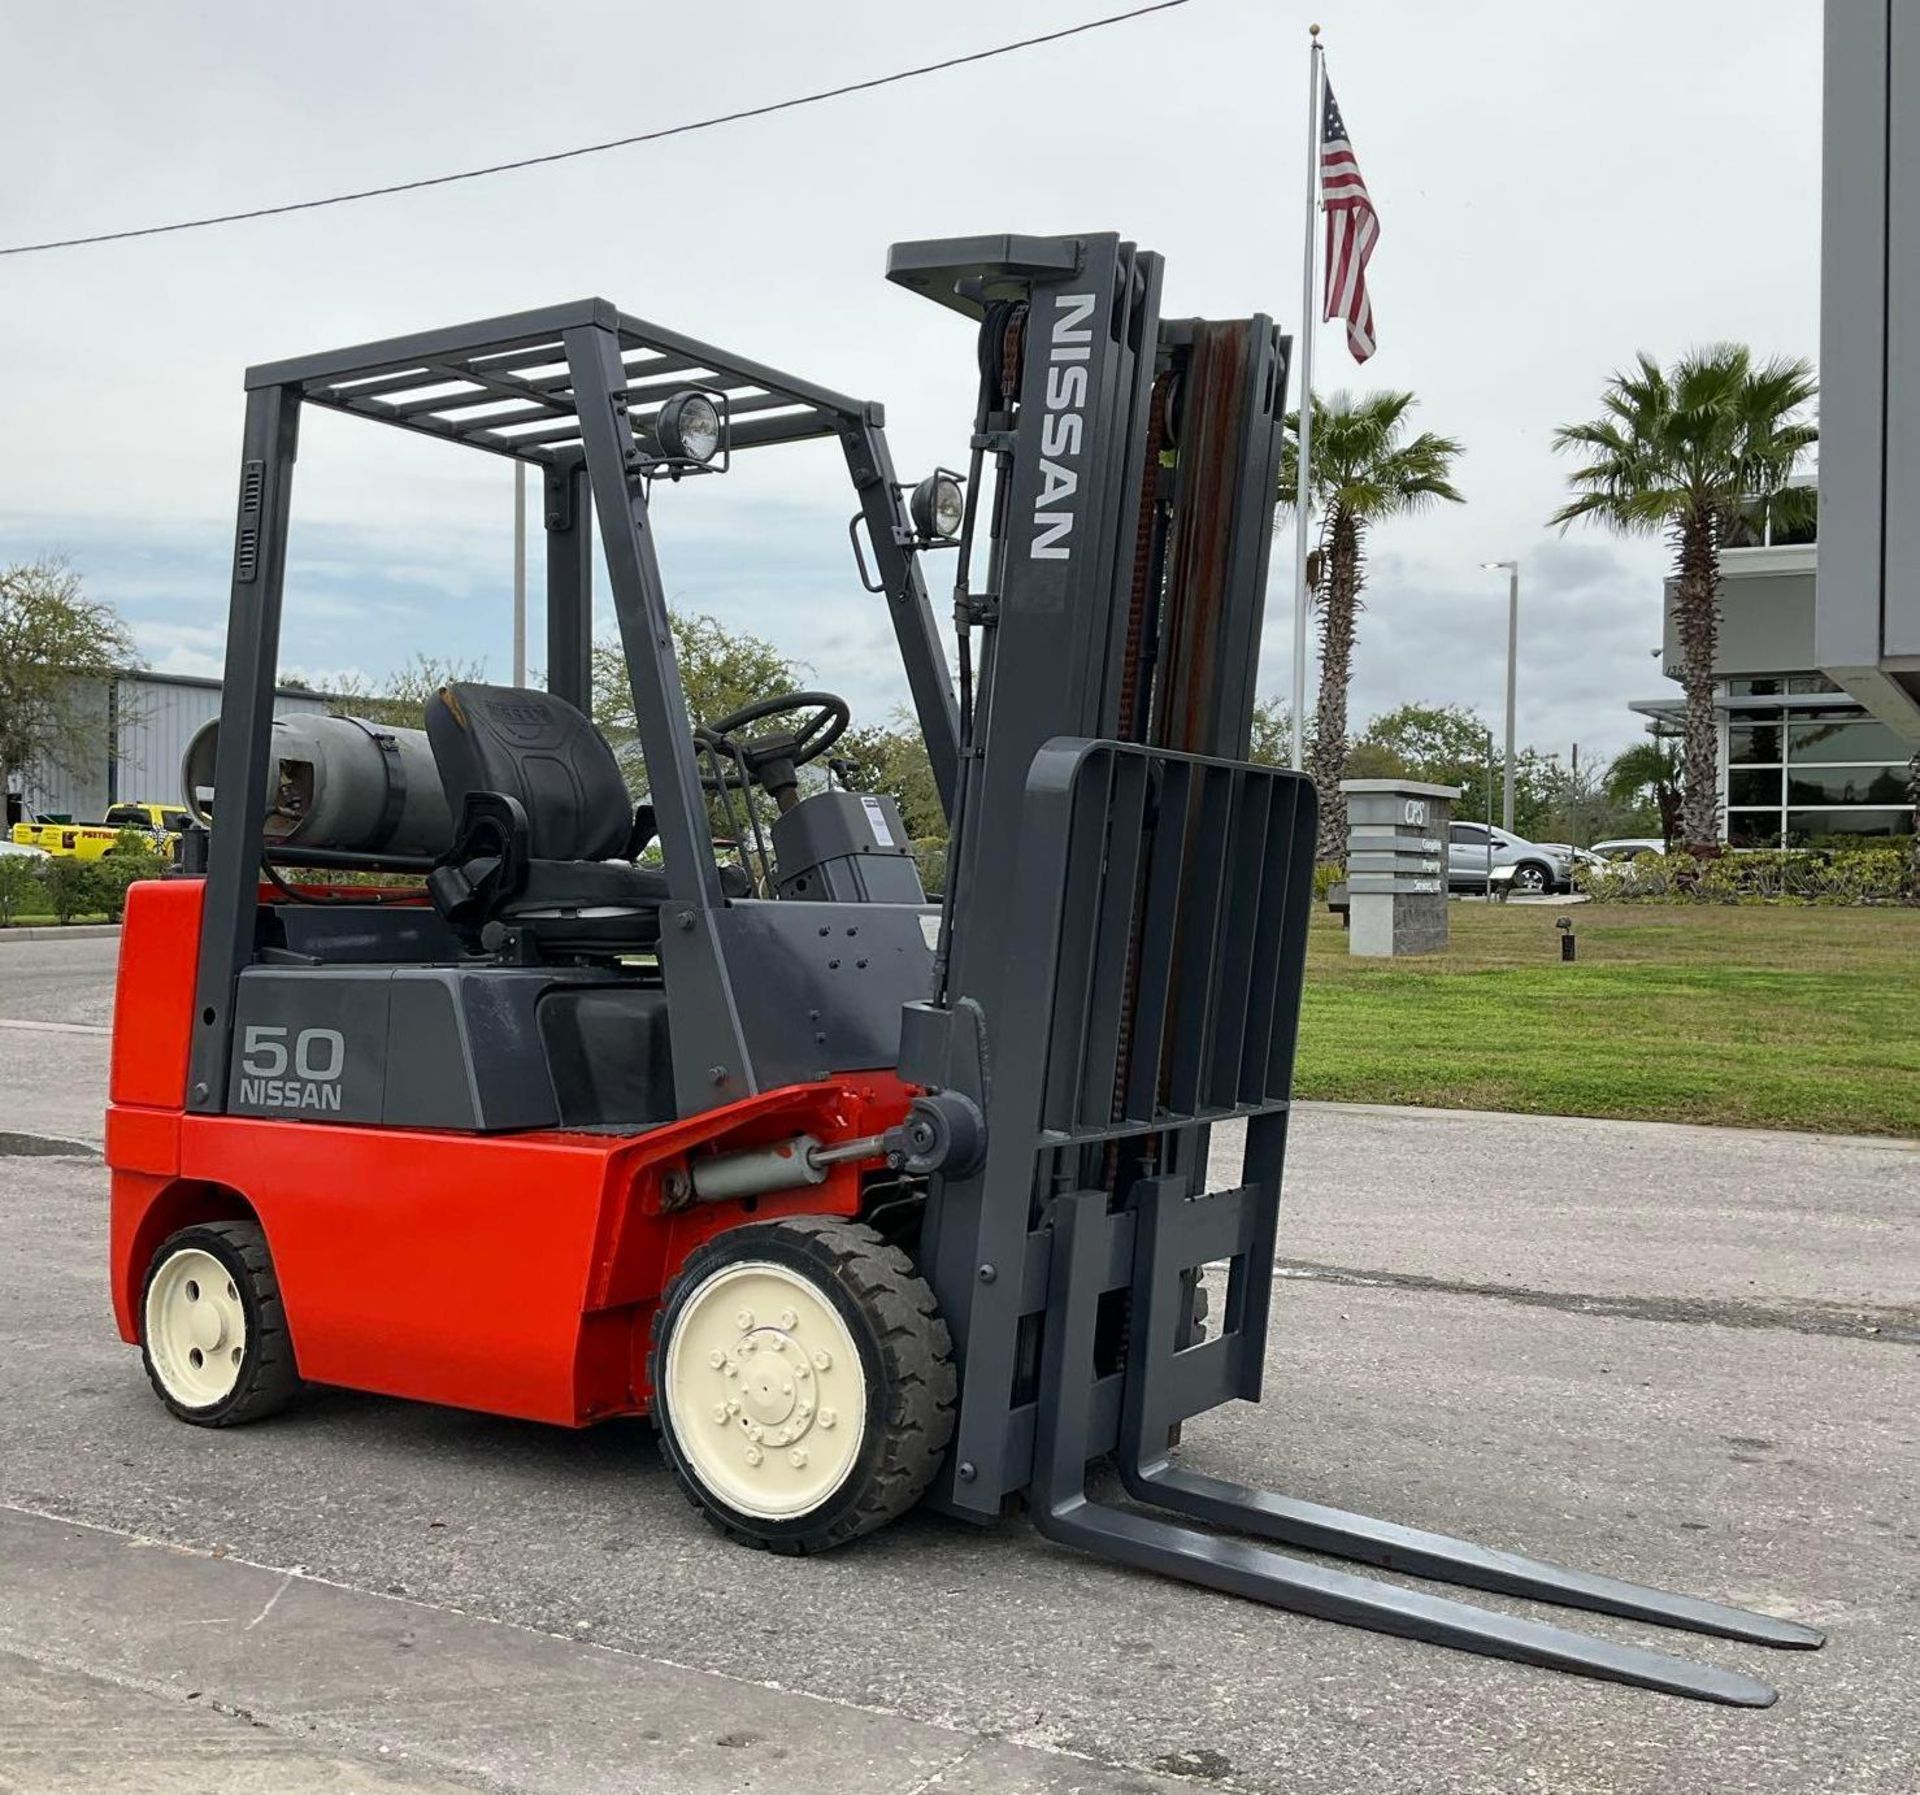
803 1383
213 1333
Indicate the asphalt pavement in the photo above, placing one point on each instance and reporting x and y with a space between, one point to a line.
1684 1356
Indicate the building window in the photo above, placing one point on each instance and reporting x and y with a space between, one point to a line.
1804 825
1781 521
1800 774
1758 785
1846 785
1753 828
1753 744
1844 741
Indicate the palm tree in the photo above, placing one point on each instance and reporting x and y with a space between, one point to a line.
1364 468
1650 766
1684 451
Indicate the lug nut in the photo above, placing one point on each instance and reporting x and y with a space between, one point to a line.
716 1358
749 1344
754 1455
789 1320
823 1360
744 1319
828 1417
797 1457
720 1413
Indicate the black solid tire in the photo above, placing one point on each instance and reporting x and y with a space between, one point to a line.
269 1375
906 1355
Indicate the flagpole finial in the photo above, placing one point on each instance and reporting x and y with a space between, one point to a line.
1313 31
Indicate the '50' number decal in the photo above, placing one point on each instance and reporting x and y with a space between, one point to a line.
318 1053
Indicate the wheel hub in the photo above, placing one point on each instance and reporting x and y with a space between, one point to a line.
760 1372
196 1329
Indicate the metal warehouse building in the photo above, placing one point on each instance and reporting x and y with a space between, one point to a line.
145 723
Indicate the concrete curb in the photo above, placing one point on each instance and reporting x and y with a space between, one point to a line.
79 931
1409 1112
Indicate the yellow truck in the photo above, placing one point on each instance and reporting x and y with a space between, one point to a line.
94 841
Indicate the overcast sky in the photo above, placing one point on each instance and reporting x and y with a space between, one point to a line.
1557 187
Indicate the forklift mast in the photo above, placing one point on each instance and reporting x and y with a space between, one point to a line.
1144 980
1121 962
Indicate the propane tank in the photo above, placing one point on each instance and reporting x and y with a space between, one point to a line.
338 783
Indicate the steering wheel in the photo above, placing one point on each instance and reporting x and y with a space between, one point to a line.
773 760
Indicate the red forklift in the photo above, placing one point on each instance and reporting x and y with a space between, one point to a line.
868 1198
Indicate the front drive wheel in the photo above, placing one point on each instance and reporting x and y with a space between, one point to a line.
1533 878
803 1382
212 1331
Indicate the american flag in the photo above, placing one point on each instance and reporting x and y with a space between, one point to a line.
1353 228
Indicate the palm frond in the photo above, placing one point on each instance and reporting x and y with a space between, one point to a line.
1697 439
1364 463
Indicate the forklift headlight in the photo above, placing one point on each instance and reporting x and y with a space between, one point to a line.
937 506
689 427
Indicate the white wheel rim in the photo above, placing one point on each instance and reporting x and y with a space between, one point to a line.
765 1390
196 1328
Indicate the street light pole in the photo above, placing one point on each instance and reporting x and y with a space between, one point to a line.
1513 661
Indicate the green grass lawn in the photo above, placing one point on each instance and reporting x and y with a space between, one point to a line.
1755 1017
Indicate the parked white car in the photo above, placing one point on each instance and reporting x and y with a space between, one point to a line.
1624 847
1475 849
21 850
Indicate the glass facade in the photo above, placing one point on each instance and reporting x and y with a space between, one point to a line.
1804 764
1788 518
1798 774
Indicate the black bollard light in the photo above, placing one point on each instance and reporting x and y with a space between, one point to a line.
1565 925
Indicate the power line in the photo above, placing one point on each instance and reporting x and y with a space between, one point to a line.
616 143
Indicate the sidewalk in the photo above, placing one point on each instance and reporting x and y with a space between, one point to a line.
71 1734
210 1674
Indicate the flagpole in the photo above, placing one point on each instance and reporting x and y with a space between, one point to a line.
1305 361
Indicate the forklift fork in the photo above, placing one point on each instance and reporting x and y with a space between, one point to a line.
1082 1225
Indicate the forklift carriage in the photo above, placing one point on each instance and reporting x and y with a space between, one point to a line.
865 1198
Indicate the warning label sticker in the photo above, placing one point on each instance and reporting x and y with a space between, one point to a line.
877 819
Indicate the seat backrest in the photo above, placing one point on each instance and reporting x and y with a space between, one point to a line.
537 748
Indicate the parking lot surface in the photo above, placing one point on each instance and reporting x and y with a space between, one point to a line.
1682 1356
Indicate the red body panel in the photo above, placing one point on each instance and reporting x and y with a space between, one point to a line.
153 1000
513 1273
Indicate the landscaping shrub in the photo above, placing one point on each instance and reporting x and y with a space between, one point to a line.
70 886
1853 875
1325 877
132 858
19 886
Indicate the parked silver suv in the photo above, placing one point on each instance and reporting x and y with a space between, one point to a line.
1474 848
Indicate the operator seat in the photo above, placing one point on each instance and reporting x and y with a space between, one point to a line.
546 829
